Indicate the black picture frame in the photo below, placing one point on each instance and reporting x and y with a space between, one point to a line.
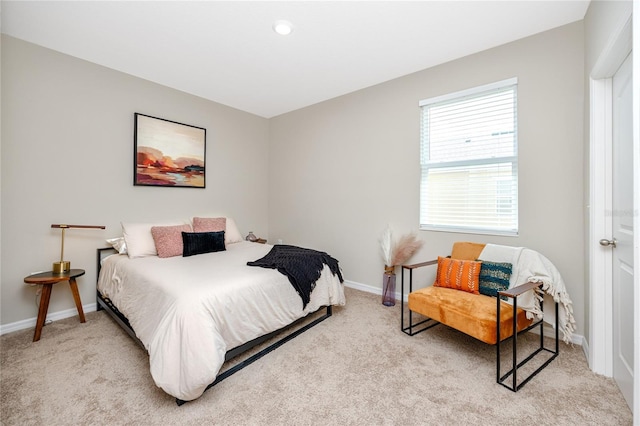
167 153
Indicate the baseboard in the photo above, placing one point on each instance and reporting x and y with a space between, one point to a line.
52 316
585 349
67 313
370 289
55 316
363 287
576 339
549 331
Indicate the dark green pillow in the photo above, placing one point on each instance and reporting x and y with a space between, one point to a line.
494 277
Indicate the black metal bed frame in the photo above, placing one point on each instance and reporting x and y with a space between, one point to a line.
511 293
112 310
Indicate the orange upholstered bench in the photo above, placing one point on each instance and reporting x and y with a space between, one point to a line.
454 301
473 314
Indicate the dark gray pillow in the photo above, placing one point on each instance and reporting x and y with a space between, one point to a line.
202 242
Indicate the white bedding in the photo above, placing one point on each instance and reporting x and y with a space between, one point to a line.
188 311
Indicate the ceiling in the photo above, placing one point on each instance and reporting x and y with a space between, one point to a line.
227 52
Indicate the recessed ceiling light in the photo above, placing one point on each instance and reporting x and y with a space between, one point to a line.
283 27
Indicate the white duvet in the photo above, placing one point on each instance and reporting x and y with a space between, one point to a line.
188 311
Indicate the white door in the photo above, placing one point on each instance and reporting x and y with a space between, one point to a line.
622 218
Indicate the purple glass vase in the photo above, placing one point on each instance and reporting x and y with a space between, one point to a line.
389 289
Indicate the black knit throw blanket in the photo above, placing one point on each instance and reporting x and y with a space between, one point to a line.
302 266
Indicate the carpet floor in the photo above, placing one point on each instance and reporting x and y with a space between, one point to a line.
355 368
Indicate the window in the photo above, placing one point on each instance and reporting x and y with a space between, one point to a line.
469 161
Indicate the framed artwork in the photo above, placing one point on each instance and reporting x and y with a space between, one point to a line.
167 153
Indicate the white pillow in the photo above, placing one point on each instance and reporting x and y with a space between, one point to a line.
119 244
232 233
139 240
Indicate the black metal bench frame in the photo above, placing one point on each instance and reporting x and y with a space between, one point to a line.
412 329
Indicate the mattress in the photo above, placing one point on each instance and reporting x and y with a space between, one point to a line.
189 311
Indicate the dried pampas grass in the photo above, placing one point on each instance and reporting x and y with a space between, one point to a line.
386 245
404 248
397 253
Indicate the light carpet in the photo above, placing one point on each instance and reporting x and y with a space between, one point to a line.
355 368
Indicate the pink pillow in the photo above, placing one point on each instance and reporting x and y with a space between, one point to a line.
209 224
168 239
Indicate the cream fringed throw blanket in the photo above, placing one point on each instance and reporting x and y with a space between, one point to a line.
531 266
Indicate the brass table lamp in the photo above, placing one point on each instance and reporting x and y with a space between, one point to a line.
64 265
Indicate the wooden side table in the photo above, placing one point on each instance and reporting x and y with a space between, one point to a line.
47 280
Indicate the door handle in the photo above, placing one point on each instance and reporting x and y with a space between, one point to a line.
606 243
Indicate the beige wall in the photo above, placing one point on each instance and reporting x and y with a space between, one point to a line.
341 170
332 175
67 157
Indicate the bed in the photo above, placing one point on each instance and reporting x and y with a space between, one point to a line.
192 313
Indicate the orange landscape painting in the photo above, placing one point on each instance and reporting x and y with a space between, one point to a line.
168 153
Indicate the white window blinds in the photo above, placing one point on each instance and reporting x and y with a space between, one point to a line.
469 161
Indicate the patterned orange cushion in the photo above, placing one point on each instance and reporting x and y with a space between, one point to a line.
458 274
